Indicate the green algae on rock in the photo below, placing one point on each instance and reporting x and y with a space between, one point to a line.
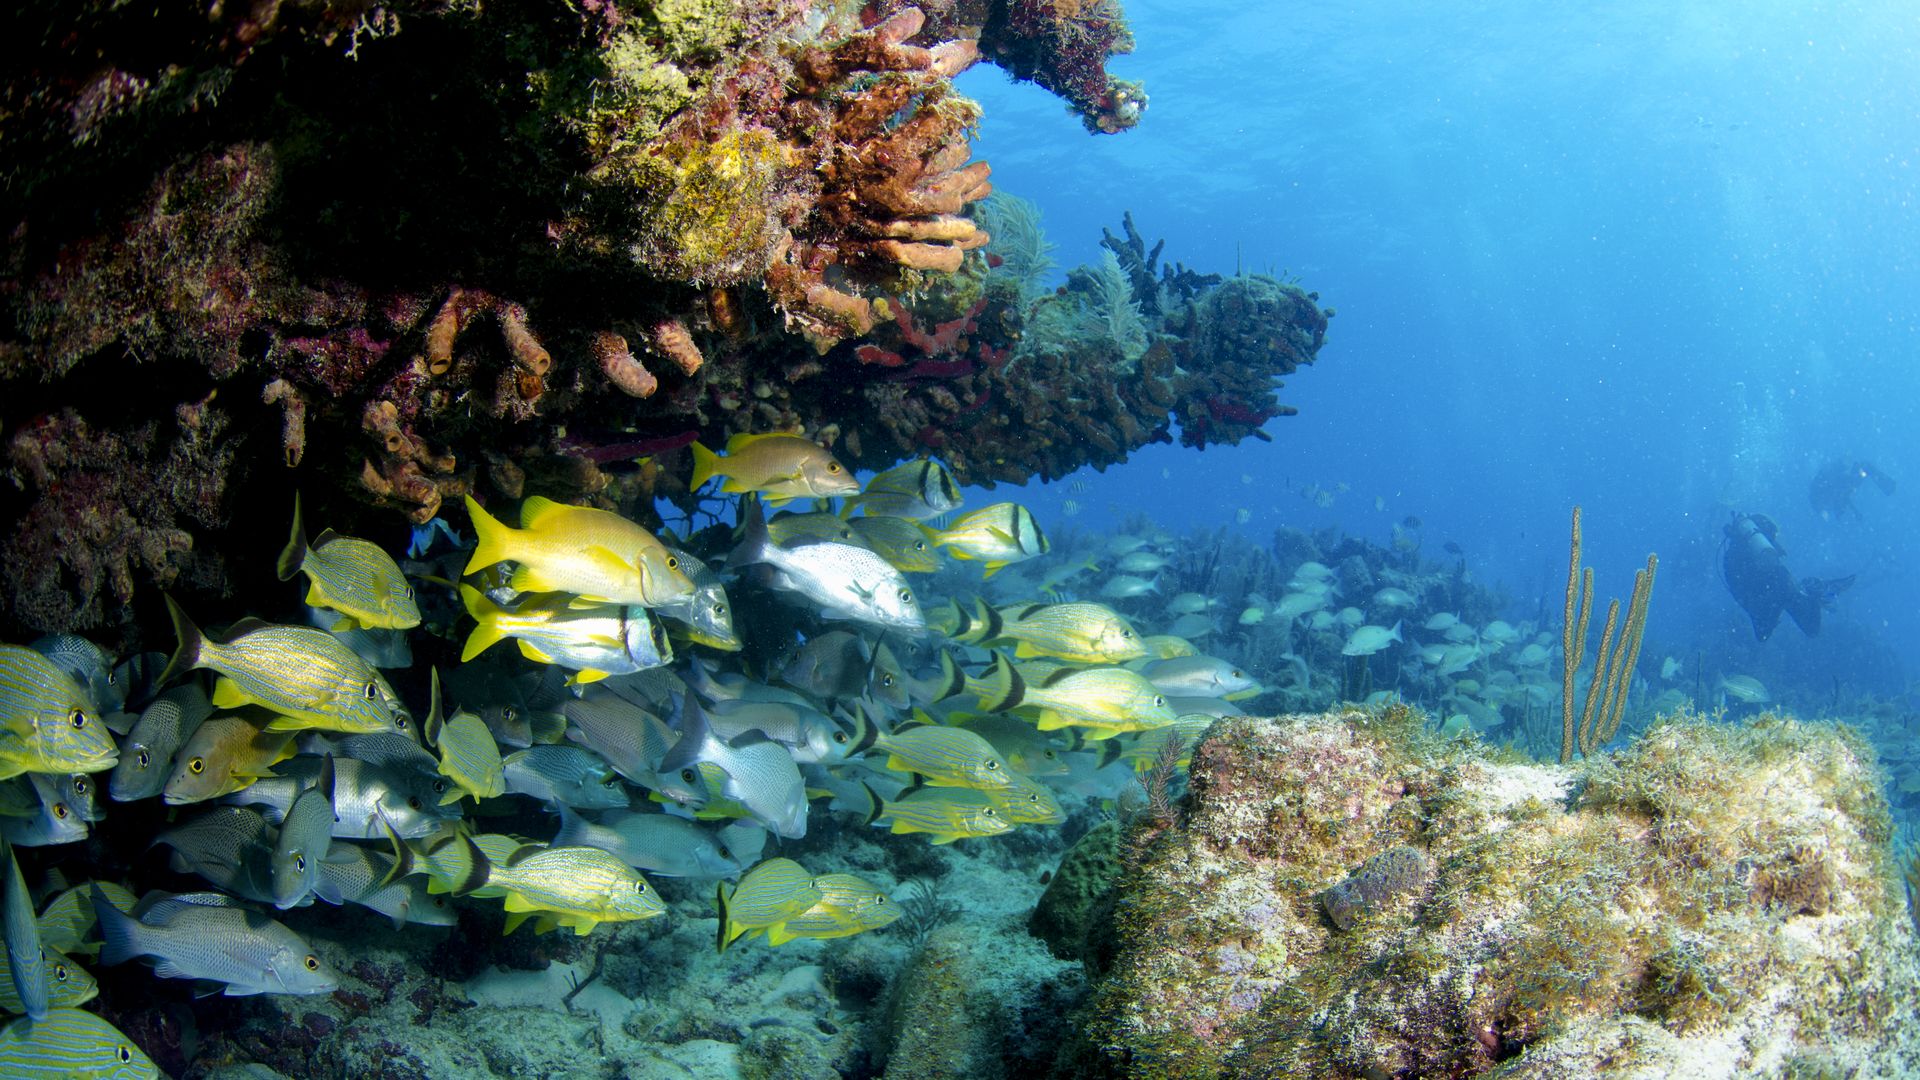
1713 900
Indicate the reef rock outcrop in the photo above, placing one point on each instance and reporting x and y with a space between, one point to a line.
1349 896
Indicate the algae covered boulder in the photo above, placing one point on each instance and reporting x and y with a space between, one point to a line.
1350 896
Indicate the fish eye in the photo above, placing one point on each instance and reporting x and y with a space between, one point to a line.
146 759
1126 633
508 714
125 1054
640 887
992 764
688 775
80 786
407 592
1158 701
439 901
372 691
1048 754
881 900
312 962
60 810
60 972
724 853
673 563
78 718
919 545
400 723
197 766
112 679
833 466
609 780
906 595
1237 675
300 863
413 802
439 786
719 609
840 737
887 680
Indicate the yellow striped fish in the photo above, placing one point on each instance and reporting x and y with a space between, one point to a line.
848 905
948 814
469 757
597 556
67 982
47 724
1104 701
575 887
908 545
68 918
356 578
1026 802
1082 633
997 535
302 673
767 895
71 1044
946 756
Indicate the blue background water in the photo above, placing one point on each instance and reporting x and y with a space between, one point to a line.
1658 261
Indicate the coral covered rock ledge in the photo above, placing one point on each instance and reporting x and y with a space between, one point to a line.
1347 895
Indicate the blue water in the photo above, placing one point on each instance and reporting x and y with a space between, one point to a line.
1657 262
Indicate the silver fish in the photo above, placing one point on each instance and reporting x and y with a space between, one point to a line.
305 836
706 613
568 775
659 843
146 757
367 799
89 665
843 581
630 738
760 774
24 954
353 874
830 665
230 846
808 734
209 937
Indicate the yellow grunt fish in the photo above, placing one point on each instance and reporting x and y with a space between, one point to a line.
780 467
848 905
946 756
948 814
575 887
1082 633
1105 701
767 895
225 754
356 578
305 675
597 556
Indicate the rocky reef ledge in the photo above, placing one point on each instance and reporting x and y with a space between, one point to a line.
1348 895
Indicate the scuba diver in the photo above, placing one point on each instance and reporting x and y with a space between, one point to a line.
1831 492
1755 568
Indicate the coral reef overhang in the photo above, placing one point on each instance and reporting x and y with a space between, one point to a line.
393 255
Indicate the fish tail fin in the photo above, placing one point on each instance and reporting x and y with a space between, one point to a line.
487 614
706 465
436 719
866 731
493 541
754 540
952 679
296 549
720 900
186 655
573 829
875 805
1004 686
119 931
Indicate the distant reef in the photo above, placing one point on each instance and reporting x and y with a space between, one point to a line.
394 254
1349 895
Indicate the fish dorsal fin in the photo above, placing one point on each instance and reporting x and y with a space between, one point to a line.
741 440
522 854
1027 611
539 508
1055 677
327 536
246 626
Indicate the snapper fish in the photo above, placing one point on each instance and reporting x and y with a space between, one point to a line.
211 938
843 581
226 753
89 665
1367 640
1200 676
595 555
356 578
593 641
304 675
758 773
1127 586
780 467
915 490
564 775
998 535
658 843
1744 688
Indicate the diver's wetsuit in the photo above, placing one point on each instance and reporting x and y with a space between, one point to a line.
1754 565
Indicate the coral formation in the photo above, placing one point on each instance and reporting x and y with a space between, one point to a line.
1349 896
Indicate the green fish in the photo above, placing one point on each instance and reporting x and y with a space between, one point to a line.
946 756
71 1044
301 673
767 895
47 722
1082 633
848 905
575 887
781 467
918 490
1105 701
468 755
910 546
356 578
789 530
997 535
948 814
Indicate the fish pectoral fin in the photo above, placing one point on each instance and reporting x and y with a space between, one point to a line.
606 560
1054 720
532 652
228 695
778 934
581 678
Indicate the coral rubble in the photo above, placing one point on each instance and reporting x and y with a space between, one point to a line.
1348 896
